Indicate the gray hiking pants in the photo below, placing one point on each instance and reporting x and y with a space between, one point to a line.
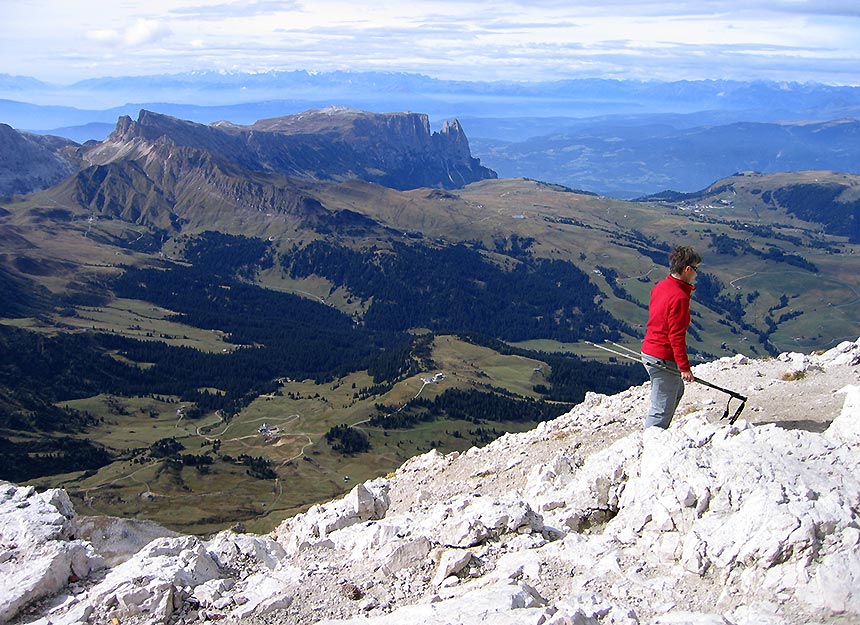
667 388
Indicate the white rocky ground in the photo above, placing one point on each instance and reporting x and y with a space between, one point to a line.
585 520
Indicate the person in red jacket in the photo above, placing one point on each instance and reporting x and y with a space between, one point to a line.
664 350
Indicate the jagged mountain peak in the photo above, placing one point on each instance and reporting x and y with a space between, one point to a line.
585 519
151 128
452 125
164 164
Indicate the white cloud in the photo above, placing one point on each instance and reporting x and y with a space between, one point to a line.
104 36
140 33
143 32
459 39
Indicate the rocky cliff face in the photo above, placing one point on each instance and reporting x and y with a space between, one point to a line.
585 520
31 162
396 150
167 187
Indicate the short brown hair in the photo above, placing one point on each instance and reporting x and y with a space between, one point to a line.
681 257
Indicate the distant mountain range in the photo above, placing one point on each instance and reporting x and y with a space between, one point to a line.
444 98
395 150
617 138
627 161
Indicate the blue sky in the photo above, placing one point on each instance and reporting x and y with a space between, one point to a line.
63 41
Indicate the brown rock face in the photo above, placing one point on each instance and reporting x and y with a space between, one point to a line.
31 162
397 150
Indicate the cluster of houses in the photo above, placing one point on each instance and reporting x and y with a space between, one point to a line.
268 431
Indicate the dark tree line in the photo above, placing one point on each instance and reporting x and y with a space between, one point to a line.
619 291
21 297
251 314
229 255
285 334
65 366
258 467
776 255
571 377
710 292
165 448
23 461
726 245
468 405
347 440
478 407
404 359
456 289
819 203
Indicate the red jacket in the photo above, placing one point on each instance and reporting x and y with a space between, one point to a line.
668 319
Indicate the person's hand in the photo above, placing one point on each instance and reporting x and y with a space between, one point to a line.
687 376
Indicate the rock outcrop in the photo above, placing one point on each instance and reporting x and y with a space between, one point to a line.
584 520
396 150
30 162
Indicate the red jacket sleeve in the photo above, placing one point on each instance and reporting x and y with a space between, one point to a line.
678 319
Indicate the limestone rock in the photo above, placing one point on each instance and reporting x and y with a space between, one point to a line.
116 540
846 427
400 554
263 593
364 502
585 520
38 549
451 562
590 495
244 552
207 593
502 604
151 583
468 521
847 353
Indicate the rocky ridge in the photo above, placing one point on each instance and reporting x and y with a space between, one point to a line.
396 150
30 162
584 520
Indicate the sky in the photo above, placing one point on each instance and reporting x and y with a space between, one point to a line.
63 41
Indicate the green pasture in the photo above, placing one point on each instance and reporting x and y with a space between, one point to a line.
312 287
131 422
144 321
308 470
472 365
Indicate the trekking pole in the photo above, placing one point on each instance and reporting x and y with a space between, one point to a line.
630 354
